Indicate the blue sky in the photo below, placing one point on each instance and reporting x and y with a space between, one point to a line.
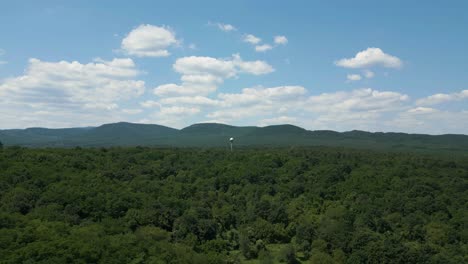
340 65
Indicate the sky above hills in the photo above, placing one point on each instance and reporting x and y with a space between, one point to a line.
339 65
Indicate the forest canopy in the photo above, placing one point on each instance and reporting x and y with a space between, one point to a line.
267 205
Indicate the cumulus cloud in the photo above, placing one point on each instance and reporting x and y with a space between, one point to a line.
443 98
150 104
226 27
204 68
429 120
353 77
69 88
131 111
369 74
172 89
422 110
259 95
249 38
229 115
202 75
369 58
256 67
366 109
99 82
190 100
179 110
263 48
280 40
173 116
149 41
256 102
278 120
366 99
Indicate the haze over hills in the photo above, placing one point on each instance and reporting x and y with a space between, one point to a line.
216 135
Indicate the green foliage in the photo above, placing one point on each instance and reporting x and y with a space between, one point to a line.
265 257
296 205
321 258
288 255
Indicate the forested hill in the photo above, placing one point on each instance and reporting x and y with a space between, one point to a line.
216 135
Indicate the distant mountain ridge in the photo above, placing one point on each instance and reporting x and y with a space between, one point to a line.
216 135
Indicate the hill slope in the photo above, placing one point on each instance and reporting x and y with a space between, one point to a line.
216 135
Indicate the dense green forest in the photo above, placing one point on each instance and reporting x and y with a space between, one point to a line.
266 205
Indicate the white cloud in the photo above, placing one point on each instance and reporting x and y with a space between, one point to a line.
281 40
173 116
205 67
234 106
368 74
422 110
278 120
172 89
190 100
149 41
257 102
257 67
353 77
342 110
443 98
179 110
202 75
259 95
131 111
369 58
263 48
69 92
101 106
99 82
367 100
346 119
150 104
226 27
249 38
364 109
229 115
429 120
340 121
